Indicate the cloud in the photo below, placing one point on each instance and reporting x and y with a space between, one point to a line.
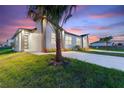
77 31
107 15
100 27
109 27
117 24
93 38
24 21
93 27
7 31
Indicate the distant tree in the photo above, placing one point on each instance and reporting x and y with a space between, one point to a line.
106 39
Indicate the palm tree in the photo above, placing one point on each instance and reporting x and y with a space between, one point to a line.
57 15
106 39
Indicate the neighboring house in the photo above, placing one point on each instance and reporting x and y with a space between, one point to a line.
36 39
100 44
9 43
4 44
0 45
118 40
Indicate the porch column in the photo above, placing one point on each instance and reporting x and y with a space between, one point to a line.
43 33
82 41
87 42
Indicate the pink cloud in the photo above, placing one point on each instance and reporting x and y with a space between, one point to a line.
8 31
25 21
93 38
101 27
27 27
107 15
75 31
81 7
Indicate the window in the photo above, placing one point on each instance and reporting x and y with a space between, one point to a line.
25 41
26 32
68 40
53 38
78 41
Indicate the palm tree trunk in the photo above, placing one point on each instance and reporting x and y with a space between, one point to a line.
106 44
58 41
58 46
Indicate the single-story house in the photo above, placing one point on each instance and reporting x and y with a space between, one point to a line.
9 42
100 44
4 44
36 39
26 40
118 40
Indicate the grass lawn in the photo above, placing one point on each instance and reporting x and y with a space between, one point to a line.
106 53
27 70
110 49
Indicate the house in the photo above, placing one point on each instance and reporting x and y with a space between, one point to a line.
4 44
100 44
26 40
68 39
118 40
9 43
43 38
30 40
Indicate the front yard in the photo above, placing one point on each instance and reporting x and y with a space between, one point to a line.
28 70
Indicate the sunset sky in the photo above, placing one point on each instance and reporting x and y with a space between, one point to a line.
98 21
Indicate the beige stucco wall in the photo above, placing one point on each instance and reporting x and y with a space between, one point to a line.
38 25
17 42
85 42
49 31
73 41
35 42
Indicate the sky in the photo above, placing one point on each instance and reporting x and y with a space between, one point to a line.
96 20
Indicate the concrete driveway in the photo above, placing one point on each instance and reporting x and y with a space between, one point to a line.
102 60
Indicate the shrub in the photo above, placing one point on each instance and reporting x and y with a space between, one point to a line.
52 50
84 49
66 49
77 47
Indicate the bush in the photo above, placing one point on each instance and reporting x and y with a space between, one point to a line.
66 49
51 50
76 48
84 49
